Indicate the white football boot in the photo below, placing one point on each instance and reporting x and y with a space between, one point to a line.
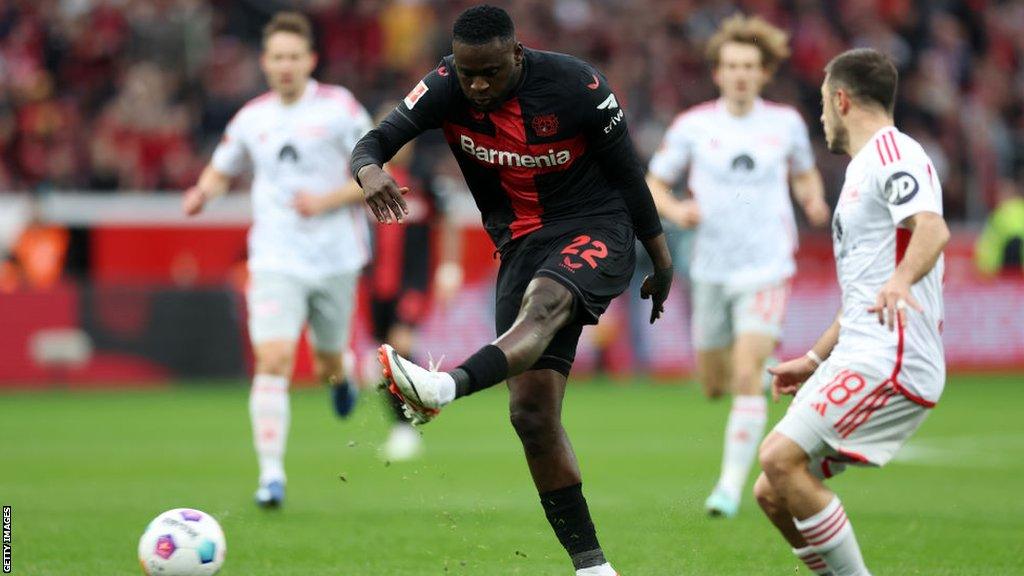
423 392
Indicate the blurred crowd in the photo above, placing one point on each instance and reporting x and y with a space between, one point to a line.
133 94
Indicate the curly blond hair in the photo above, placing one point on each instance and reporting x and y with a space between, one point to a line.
756 31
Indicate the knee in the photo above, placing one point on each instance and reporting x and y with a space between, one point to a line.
274 363
775 460
535 425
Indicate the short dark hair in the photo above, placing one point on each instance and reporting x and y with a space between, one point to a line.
481 24
867 74
290 22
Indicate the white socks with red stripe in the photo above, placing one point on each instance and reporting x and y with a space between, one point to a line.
270 413
830 535
813 562
743 434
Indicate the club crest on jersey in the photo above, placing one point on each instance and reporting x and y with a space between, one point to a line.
415 94
545 125
900 188
743 162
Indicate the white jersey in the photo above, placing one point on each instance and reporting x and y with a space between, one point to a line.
890 179
739 176
301 147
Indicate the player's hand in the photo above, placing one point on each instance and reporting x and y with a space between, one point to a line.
193 201
656 287
684 213
309 205
788 376
382 194
892 302
447 281
818 213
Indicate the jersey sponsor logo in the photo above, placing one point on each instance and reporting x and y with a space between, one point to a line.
614 121
545 125
593 85
289 153
743 162
901 188
610 103
415 94
514 159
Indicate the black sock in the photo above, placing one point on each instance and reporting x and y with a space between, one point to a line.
567 511
484 369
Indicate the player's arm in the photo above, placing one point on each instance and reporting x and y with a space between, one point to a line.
212 184
613 148
308 204
788 376
805 180
908 188
809 191
422 109
929 235
229 159
667 167
682 213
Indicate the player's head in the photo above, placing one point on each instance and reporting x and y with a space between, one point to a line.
488 60
744 53
856 82
288 58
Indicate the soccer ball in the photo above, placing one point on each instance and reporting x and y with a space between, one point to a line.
182 542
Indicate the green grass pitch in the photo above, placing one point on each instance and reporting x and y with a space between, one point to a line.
85 472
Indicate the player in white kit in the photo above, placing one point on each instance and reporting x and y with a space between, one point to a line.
743 154
870 381
309 238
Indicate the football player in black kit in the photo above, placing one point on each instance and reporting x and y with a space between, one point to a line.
543 145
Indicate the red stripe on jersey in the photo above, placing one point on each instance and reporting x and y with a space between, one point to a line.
509 140
902 241
888 151
892 139
881 156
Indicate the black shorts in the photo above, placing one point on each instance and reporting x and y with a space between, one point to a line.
594 260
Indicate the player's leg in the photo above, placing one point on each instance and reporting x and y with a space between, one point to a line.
817 512
745 425
331 302
547 306
276 305
712 337
777 511
535 409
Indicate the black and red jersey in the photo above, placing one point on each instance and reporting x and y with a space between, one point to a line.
556 150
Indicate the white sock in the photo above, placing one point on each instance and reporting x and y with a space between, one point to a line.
446 393
743 434
830 534
602 570
270 413
814 563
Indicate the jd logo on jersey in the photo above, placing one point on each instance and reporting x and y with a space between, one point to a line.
289 153
743 162
900 188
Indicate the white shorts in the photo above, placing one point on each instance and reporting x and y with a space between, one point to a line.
851 413
720 312
280 304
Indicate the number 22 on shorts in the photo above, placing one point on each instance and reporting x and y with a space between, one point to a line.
591 255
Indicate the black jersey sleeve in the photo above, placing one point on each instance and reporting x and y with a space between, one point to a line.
422 109
609 139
